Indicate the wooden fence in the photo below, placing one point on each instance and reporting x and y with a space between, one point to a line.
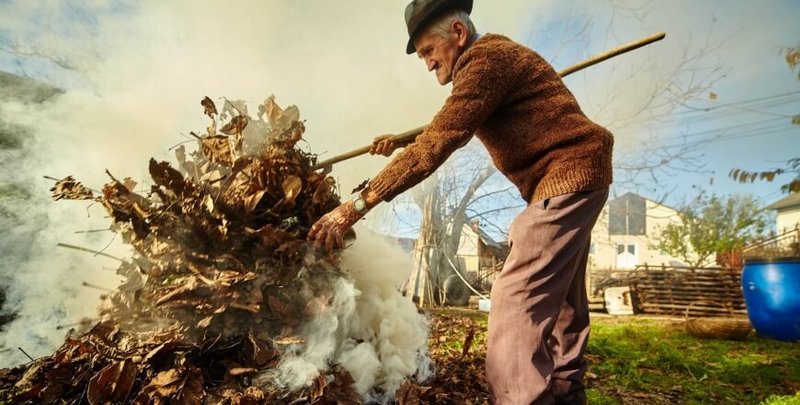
671 290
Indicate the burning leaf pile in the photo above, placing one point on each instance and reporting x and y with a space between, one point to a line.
221 279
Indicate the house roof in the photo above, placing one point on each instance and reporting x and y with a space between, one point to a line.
631 195
791 200
498 249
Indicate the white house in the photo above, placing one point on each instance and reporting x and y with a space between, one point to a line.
788 212
625 231
478 260
480 255
787 221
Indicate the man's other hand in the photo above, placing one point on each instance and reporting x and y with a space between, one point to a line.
383 145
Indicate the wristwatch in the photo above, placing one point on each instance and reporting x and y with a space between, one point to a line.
359 204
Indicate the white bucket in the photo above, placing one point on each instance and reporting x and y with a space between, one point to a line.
618 300
484 304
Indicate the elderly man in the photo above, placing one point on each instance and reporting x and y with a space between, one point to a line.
537 135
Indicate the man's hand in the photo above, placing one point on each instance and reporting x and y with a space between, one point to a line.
383 145
329 230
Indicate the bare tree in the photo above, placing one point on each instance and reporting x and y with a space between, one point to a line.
464 189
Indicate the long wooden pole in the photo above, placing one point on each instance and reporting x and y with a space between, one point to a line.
410 135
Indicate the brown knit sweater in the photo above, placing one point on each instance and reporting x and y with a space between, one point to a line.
517 105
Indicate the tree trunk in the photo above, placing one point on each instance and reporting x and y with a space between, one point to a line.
440 236
424 277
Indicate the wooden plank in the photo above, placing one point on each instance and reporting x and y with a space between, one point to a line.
687 303
689 276
689 294
647 295
727 303
685 283
677 283
685 274
690 299
688 290
732 295
696 307
688 279
682 314
698 294
678 278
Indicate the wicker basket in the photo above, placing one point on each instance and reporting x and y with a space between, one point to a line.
735 327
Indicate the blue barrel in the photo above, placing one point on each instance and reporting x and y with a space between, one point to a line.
772 294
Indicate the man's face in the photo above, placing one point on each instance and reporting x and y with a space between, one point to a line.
440 53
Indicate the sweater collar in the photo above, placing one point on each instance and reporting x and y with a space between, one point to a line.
482 39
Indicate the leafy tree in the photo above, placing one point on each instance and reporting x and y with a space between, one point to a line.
713 224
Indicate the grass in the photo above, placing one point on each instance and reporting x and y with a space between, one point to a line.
637 360
658 361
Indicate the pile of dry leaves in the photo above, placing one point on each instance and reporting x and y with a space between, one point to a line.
221 277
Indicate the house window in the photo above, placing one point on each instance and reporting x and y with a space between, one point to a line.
626 215
630 248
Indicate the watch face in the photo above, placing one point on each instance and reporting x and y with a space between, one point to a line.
359 205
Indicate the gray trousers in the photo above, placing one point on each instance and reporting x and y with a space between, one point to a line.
539 317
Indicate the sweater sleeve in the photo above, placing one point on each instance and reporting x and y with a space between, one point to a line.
483 77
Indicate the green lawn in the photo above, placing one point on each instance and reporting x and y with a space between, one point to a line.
638 360
657 361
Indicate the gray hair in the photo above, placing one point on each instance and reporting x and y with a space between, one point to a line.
442 24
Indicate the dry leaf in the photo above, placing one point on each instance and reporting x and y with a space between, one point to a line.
208 107
273 112
112 384
164 175
235 126
205 322
251 201
291 188
218 149
360 186
68 188
129 183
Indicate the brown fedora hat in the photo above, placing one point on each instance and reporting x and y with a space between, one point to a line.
421 12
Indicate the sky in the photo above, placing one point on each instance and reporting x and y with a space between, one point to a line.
339 62
134 72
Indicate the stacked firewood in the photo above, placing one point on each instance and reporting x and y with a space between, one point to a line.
221 277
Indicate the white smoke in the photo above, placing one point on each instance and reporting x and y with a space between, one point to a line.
367 327
43 272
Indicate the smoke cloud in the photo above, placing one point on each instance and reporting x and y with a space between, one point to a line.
367 327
